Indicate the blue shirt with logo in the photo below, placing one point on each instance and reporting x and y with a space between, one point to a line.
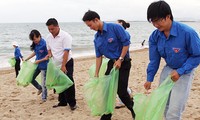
17 53
181 50
111 40
40 52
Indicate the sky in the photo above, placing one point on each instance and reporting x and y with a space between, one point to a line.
25 11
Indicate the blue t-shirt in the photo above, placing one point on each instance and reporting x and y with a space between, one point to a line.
17 53
181 50
111 41
40 52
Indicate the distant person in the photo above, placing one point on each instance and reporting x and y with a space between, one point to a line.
18 56
119 103
143 43
125 26
111 41
123 23
40 51
179 46
59 44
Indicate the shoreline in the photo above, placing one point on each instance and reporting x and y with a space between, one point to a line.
77 58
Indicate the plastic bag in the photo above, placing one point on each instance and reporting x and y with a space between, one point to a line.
12 62
102 69
151 107
100 93
56 79
26 73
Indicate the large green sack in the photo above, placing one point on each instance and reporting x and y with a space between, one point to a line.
56 79
100 93
102 69
12 62
26 73
151 107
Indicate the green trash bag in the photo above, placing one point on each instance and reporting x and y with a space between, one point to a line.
56 79
26 73
152 106
12 62
102 69
100 93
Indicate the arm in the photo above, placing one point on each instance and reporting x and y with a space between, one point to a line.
49 54
65 58
191 63
153 66
193 47
41 60
98 65
124 38
118 63
67 44
32 55
21 55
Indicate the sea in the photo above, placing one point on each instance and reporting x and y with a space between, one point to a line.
83 37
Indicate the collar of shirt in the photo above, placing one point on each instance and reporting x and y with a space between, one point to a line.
104 29
41 41
59 34
173 30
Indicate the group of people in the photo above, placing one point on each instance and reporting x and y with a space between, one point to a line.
57 45
176 43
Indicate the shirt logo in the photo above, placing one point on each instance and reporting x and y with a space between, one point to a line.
110 40
176 50
41 51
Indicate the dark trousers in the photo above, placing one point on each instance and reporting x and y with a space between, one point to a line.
68 96
17 66
34 82
122 86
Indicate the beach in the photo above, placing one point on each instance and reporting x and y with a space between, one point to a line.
23 103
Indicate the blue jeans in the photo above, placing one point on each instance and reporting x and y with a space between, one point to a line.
44 89
43 80
179 94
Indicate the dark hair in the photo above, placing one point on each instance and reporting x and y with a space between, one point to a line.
124 23
158 9
52 21
33 33
90 15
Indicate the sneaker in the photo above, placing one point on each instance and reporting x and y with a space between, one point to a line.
60 105
119 105
73 107
106 117
39 92
43 100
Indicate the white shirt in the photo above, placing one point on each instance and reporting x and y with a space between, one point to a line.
57 45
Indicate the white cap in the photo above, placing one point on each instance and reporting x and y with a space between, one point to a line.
14 43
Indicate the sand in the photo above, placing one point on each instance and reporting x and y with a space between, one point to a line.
23 103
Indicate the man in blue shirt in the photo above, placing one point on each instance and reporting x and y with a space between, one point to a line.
112 42
179 45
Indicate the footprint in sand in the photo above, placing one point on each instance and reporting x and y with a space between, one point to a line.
14 94
15 100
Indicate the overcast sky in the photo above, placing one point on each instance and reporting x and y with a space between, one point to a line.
15 11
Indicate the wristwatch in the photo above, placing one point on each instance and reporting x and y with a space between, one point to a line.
121 59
